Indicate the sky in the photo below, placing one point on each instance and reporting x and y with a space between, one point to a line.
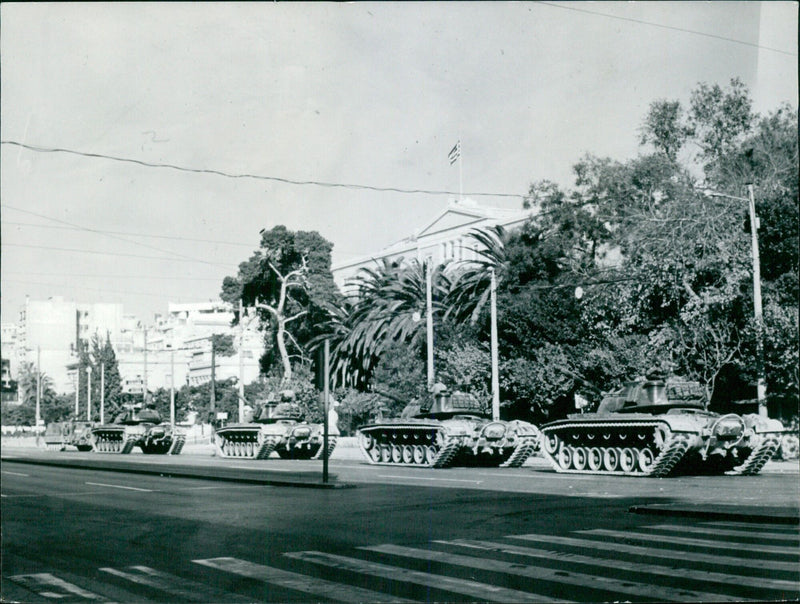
360 94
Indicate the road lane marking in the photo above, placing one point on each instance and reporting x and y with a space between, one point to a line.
612 562
429 478
713 531
13 473
667 554
480 591
118 486
173 585
298 582
749 547
553 575
50 586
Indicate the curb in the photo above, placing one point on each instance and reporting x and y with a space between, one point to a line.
174 472
762 514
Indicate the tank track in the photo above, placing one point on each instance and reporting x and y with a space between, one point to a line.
670 453
759 456
331 447
127 445
267 447
110 445
177 444
447 454
522 452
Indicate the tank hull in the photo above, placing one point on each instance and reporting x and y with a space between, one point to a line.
458 441
291 440
60 435
159 439
677 442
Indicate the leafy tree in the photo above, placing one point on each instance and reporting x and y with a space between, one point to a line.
288 281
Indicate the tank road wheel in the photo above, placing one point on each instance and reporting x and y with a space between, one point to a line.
375 454
565 457
430 454
646 459
610 459
418 453
627 460
386 453
367 442
551 443
397 454
594 459
250 449
408 454
579 458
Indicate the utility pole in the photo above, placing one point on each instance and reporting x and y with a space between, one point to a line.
326 402
213 377
38 390
761 383
761 386
102 391
172 387
429 322
89 393
241 362
495 369
144 381
77 391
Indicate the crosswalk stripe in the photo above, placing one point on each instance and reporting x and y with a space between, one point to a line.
467 587
173 585
651 569
750 547
783 529
298 582
728 561
714 531
50 586
557 576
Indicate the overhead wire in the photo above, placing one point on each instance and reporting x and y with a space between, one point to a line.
572 7
317 183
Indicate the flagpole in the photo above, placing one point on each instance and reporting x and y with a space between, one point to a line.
460 168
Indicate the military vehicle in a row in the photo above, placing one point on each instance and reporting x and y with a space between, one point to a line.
658 427
72 433
276 425
137 427
447 429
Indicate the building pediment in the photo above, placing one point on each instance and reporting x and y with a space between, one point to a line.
451 219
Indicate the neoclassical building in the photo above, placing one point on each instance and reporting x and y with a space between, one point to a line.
444 238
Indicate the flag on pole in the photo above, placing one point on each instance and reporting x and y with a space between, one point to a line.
455 153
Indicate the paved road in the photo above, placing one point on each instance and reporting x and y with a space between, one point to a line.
527 534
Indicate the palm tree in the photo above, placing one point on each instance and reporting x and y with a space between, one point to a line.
388 306
471 287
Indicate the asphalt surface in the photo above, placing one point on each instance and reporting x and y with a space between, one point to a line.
195 528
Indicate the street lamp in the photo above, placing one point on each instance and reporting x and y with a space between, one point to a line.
761 387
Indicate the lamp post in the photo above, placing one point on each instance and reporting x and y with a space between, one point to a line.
761 387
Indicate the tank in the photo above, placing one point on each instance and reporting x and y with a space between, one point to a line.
276 425
657 427
72 433
447 429
136 427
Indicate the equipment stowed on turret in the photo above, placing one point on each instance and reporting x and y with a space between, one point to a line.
277 425
657 427
137 427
